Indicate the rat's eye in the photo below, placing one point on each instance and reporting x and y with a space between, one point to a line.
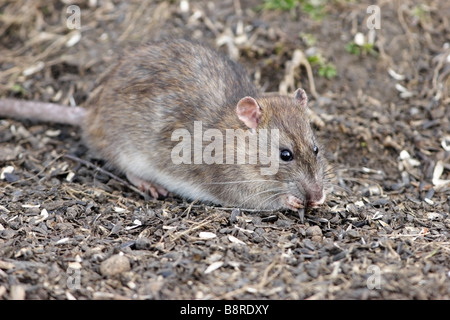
286 155
316 150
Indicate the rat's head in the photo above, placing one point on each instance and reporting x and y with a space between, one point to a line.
298 179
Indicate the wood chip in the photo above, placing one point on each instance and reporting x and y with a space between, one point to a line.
233 239
213 266
17 292
207 235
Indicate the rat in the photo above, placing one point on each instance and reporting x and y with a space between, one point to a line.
172 86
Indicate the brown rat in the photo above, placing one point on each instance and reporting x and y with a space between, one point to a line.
180 86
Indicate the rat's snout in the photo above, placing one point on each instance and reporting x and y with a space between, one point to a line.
311 195
315 196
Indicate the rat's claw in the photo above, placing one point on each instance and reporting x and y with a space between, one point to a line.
145 186
151 189
156 191
293 202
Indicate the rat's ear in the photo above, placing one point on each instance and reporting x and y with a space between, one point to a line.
249 112
301 97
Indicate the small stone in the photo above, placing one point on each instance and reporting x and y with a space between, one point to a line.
115 264
315 233
143 244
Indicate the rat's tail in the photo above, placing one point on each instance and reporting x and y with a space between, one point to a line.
41 111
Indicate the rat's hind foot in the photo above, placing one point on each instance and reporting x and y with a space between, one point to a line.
146 186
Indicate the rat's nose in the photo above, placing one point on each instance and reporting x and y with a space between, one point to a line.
314 195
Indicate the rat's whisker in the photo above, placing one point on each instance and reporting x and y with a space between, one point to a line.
333 186
262 192
235 182
272 198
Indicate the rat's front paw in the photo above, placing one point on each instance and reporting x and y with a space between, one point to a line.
293 202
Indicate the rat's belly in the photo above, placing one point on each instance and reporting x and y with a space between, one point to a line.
146 169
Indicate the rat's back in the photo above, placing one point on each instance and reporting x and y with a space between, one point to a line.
187 71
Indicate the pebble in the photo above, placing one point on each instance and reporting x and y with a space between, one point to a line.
115 264
143 243
315 233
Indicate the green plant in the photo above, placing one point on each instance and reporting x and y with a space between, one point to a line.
315 59
308 38
421 12
366 48
314 8
326 69
17 88
279 4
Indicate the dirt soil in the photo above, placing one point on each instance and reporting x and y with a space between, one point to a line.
69 229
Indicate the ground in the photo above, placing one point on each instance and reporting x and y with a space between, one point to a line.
69 229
